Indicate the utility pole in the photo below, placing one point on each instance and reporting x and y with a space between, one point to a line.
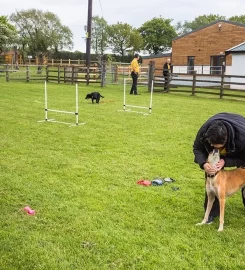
88 35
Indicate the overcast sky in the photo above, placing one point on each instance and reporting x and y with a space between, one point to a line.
74 13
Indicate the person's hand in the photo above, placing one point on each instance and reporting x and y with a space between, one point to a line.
212 170
209 169
220 165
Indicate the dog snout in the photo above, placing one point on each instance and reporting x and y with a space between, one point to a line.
215 152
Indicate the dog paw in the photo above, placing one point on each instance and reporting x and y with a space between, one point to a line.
201 223
220 229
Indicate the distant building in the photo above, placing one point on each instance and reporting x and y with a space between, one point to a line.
238 62
11 57
203 50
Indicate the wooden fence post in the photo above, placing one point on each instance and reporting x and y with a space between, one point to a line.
64 74
7 73
151 71
222 83
58 74
103 73
193 83
46 73
72 74
88 75
27 74
116 74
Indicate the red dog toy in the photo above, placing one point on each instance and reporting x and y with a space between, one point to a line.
144 182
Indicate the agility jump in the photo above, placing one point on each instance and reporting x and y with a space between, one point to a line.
46 109
135 106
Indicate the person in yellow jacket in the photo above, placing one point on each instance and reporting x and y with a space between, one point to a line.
134 74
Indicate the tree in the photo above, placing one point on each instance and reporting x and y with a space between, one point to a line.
198 22
40 32
136 41
239 19
157 35
7 33
123 38
99 36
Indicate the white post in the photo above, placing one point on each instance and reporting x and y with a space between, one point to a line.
124 99
76 113
151 96
46 100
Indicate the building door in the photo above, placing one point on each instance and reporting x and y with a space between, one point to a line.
216 64
190 64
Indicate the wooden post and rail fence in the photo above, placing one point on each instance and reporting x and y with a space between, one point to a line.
99 73
221 85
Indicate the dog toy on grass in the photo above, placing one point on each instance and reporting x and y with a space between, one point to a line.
168 180
157 182
144 182
29 211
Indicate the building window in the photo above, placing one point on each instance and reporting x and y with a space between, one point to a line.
190 64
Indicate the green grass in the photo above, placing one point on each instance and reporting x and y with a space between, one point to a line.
90 213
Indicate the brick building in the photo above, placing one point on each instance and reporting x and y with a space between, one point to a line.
204 49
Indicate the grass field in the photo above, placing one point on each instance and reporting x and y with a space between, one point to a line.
90 213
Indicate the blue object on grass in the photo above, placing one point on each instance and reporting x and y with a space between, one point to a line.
157 182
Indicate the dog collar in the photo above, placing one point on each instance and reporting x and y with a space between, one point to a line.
212 175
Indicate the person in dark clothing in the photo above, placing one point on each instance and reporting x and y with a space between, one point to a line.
166 74
226 132
134 66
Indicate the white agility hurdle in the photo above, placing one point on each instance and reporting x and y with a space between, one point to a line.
135 106
46 109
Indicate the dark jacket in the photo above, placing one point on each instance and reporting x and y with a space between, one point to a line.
235 145
166 71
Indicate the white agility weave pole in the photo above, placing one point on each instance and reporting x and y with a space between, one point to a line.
60 111
135 106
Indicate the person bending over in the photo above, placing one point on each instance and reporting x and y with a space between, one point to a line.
226 132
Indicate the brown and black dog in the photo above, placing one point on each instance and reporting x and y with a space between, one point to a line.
223 184
94 96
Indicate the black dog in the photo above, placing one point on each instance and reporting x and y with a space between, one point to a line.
94 96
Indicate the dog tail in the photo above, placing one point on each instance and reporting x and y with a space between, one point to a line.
101 96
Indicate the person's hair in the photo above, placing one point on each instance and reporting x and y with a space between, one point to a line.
216 133
136 55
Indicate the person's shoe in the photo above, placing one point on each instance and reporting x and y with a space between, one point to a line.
210 220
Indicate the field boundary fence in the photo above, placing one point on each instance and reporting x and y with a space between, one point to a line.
223 85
